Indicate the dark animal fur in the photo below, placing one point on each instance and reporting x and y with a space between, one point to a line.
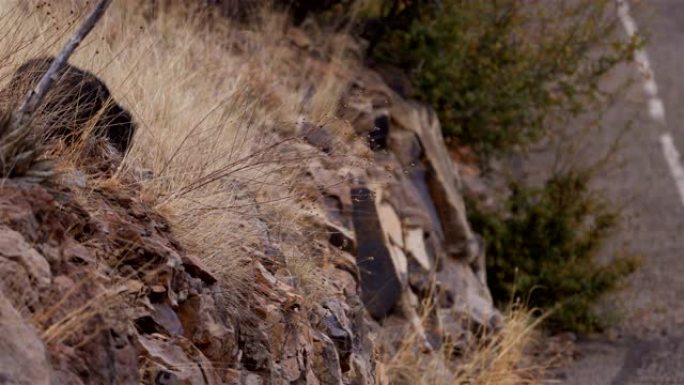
76 99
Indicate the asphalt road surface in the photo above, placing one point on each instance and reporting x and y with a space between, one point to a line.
647 179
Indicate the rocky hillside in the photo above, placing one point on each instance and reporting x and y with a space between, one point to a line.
333 247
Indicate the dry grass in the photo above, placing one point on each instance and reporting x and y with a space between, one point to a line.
214 105
74 321
497 358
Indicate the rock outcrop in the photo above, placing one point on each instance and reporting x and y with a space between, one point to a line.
99 292
23 360
401 215
96 288
420 208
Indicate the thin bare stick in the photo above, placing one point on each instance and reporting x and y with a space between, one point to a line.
36 95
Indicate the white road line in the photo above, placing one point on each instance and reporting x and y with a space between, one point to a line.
674 162
656 110
656 107
625 18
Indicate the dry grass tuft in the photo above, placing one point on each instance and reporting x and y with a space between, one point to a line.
498 358
215 106
21 150
76 320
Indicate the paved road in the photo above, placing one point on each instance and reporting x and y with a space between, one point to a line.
647 347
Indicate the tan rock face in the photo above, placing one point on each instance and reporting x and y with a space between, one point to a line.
443 178
387 232
415 245
23 360
14 248
167 323
402 216
435 255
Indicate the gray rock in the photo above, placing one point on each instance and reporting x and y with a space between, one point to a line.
319 137
406 147
23 360
415 246
15 248
472 300
326 363
173 364
166 317
443 179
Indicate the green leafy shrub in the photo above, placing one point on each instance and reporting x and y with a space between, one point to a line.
500 72
543 249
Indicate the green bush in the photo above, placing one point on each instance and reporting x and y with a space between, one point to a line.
543 250
500 73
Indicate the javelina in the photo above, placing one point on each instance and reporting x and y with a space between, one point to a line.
76 100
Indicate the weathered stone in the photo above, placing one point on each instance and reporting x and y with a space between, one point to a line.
391 223
334 208
319 137
412 204
273 331
479 263
231 376
196 268
400 263
343 275
406 189
166 317
415 245
380 284
330 182
326 361
105 356
213 335
14 247
16 284
421 281
336 326
75 253
175 363
443 179
251 379
472 299
406 147
362 370
23 360
332 216
296 348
